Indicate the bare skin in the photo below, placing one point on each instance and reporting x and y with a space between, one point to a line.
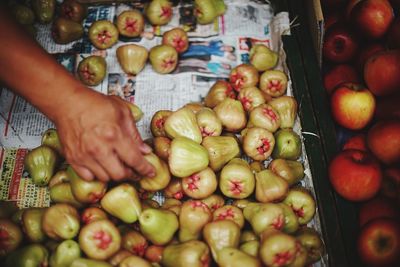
98 134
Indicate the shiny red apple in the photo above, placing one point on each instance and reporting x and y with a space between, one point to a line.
355 175
352 106
340 44
341 73
372 17
381 73
379 243
383 140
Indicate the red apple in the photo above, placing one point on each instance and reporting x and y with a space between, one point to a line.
383 140
355 175
378 207
366 52
387 107
372 17
340 44
341 73
352 106
358 142
379 243
381 73
393 36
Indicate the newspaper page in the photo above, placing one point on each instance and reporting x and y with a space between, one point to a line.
214 50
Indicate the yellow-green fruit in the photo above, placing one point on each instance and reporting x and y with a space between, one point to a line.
40 164
92 70
44 10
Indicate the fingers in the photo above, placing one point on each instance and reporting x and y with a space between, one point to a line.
83 172
115 168
133 157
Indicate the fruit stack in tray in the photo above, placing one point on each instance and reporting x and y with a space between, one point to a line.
361 64
219 209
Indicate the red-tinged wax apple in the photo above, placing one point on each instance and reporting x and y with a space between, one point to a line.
103 34
263 216
242 76
372 17
378 207
340 44
387 107
201 184
273 82
355 175
163 58
236 179
158 121
277 248
229 212
10 236
302 203
154 253
159 12
61 221
358 142
73 10
214 202
381 73
176 38
379 243
130 23
92 214
134 242
193 217
383 140
341 73
100 240
352 106
366 52
218 92
174 189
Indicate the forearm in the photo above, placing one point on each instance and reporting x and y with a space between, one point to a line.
31 72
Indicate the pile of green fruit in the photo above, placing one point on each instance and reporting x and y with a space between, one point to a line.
217 208
66 18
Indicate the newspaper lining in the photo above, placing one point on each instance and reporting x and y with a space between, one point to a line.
245 23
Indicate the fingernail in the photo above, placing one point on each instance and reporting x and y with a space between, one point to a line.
152 174
145 148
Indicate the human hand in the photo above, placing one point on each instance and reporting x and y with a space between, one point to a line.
100 139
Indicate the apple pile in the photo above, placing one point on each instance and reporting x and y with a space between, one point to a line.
361 74
217 207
